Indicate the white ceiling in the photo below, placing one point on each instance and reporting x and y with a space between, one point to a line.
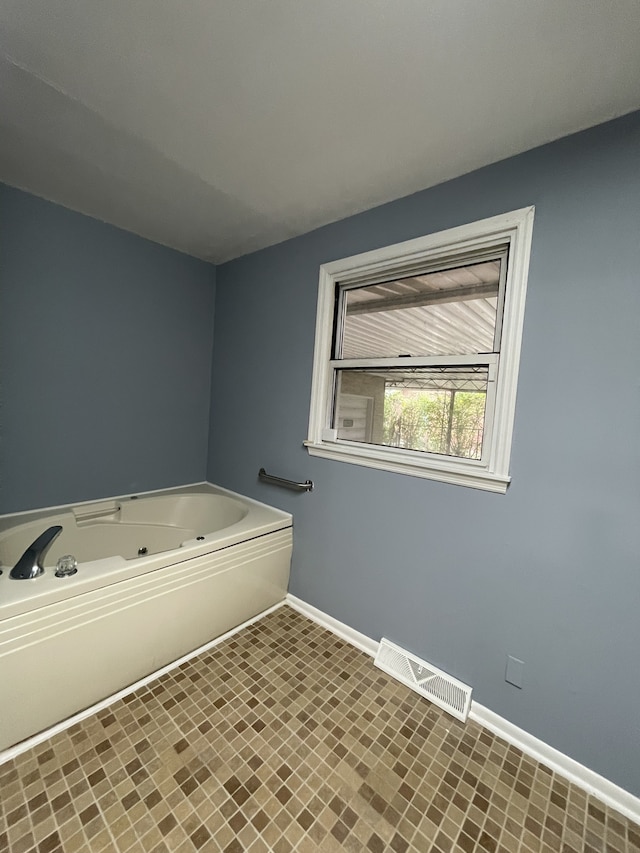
224 126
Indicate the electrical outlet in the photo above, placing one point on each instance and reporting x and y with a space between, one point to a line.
513 674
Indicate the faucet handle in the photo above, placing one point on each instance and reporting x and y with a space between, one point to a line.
66 566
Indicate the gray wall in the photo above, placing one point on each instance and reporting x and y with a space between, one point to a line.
105 358
550 572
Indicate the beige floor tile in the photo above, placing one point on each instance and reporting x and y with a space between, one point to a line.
286 738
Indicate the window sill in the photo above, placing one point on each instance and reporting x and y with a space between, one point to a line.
455 473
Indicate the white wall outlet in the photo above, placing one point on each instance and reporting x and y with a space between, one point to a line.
514 671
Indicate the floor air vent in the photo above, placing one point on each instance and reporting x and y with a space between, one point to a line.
449 694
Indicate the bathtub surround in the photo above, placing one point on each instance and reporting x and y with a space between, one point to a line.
214 560
547 573
105 358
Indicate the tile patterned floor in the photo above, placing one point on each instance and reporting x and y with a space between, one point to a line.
286 738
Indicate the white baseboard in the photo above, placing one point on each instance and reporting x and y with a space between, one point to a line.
590 781
607 792
360 641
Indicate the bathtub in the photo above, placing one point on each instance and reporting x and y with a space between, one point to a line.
158 575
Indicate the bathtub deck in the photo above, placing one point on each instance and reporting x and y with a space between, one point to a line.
286 738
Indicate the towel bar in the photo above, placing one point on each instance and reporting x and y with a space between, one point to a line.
307 486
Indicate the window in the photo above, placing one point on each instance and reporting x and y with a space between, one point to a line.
417 352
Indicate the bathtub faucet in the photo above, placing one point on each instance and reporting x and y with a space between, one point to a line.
30 564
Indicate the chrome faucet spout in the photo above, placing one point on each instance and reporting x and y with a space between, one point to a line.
30 564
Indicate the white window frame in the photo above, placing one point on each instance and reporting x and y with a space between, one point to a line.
403 259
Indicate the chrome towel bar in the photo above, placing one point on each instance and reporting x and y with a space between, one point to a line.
307 486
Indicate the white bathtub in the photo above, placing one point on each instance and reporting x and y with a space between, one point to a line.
213 560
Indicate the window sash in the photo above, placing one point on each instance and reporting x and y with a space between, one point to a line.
497 253
491 362
489 358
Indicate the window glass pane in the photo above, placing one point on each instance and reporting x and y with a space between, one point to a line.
430 409
450 312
